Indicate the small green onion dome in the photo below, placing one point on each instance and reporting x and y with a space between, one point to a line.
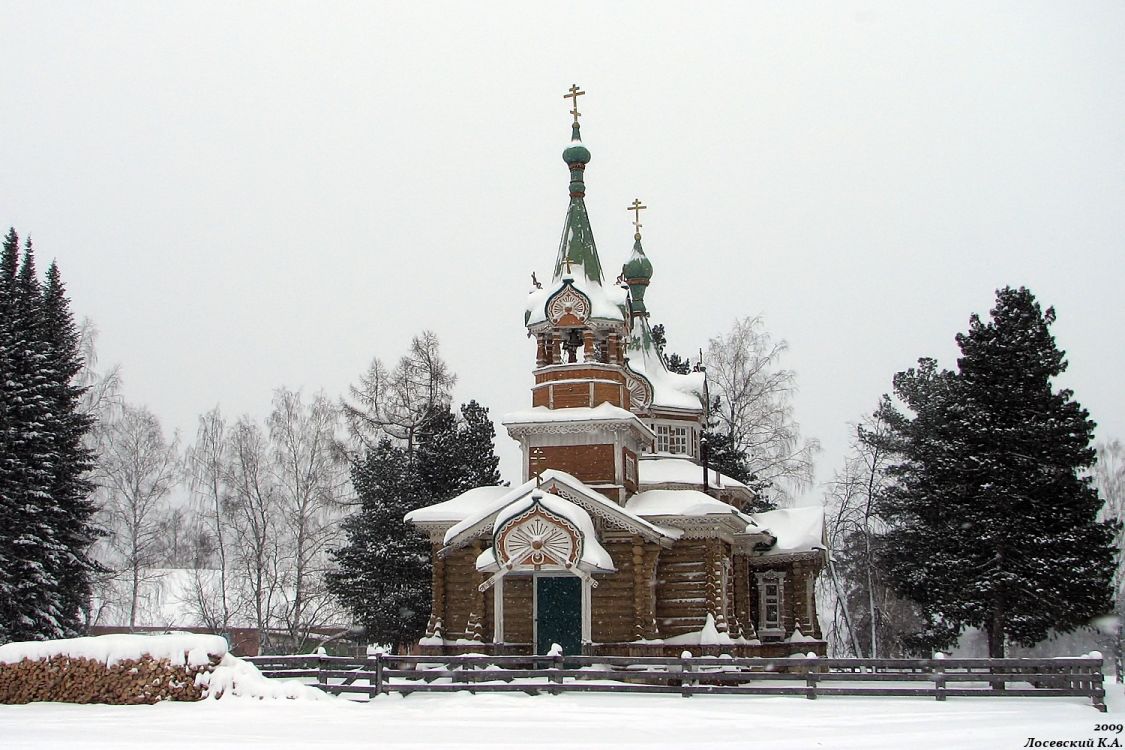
576 153
638 266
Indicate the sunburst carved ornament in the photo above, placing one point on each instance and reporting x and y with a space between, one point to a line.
568 306
537 537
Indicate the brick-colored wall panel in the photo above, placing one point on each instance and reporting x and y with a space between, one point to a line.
590 463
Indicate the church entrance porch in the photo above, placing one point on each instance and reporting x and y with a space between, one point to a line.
558 613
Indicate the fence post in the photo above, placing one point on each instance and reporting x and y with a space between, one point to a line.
810 677
939 681
685 683
1097 687
378 673
556 664
321 679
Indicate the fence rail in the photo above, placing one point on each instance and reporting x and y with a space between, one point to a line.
811 677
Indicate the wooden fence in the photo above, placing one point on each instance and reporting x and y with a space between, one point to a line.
810 677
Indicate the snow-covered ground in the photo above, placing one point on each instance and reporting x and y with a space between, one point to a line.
576 720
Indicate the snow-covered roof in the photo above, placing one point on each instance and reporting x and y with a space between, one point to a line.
686 508
678 503
666 470
482 517
796 529
578 416
670 390
594 558
603 412
467 503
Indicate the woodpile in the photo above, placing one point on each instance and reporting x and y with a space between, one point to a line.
81 680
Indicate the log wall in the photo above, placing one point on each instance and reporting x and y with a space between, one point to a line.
681 588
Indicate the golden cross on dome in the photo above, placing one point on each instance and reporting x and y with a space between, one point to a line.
568 260
573 96
636 208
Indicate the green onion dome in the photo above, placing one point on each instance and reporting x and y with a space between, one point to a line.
638 266
576 153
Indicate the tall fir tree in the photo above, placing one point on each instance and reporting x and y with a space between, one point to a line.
478 449
45 514
456 454
993 518
384 569
34 609
70 488
9 517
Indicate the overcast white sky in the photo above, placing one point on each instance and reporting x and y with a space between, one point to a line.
247 195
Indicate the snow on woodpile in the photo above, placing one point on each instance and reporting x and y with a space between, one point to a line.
129 669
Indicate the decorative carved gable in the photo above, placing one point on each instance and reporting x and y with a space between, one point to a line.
568 307
537 537
640 391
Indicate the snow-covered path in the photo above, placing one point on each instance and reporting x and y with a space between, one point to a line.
577 720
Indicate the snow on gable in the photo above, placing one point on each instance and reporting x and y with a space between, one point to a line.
605 303
557 482
796 529
464 505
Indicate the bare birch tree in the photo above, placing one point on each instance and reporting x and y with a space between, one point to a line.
869 619
253 506
311 477
207 467
137 470
756 406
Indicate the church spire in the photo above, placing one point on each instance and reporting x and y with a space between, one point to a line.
577 251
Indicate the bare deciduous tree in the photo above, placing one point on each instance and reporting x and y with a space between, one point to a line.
397 402
207 466
311 477
253 509
869 619
102 395
137 470
756 405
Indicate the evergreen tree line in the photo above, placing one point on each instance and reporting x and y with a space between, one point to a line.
46 514
969 500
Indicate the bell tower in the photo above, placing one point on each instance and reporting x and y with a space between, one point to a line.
580 422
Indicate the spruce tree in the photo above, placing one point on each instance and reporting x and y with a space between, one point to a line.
456 454
993 516
71 490
477 447
33 608
45 509
384 569
9 521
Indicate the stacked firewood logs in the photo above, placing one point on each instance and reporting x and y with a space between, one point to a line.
81 680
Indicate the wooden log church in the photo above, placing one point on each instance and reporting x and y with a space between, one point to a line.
618 540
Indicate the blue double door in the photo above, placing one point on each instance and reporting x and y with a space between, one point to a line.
558 613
